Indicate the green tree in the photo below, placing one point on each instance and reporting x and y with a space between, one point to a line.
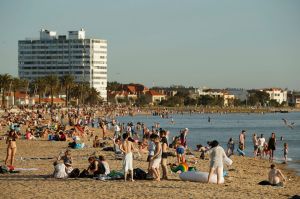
273 103
205 100
188 101
52 81
114 86
257 97
141 100
93 97
5 84
67 81
39 86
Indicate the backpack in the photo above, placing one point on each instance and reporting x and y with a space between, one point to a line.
139 174
75 173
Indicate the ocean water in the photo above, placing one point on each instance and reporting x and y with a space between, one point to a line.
223 126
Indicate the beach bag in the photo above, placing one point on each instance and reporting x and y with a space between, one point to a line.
139 174
75 173
3 169
84 174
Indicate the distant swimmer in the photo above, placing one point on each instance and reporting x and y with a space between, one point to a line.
208 119
172 121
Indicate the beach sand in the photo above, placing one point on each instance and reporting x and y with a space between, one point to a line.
242 180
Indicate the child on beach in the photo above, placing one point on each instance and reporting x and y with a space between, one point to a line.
285 152
180 151
230 147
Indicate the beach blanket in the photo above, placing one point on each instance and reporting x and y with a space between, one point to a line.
26 169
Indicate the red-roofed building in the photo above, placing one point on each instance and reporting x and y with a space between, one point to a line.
56 101
154 97
137 89
118 96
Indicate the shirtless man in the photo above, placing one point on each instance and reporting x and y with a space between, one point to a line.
275 175
127 148
242 138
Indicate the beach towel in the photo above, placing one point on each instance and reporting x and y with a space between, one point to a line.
127 163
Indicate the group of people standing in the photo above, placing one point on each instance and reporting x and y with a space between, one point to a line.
262 148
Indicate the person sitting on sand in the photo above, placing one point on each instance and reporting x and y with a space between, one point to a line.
67 159
62 136
93 168
96 142
127 148
275 175
105 165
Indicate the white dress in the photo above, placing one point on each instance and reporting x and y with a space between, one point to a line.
216 157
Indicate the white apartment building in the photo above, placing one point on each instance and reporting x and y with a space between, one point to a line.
85 59
216 93
277 94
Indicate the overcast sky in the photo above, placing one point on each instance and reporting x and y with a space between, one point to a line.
213 43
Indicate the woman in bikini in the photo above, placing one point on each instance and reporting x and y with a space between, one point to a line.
11 147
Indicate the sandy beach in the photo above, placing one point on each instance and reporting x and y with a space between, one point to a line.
242 180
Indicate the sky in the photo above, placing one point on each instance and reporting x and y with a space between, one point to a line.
212 43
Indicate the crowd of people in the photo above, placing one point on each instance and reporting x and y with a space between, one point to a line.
74 124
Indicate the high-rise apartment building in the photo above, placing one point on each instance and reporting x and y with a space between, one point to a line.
85 59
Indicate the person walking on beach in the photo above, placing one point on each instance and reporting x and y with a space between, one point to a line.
217 154
156 159
164 160
285 152
261 143
242 138
272 146
230 147
255 144
127 148
11 147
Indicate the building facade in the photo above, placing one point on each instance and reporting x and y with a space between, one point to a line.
52 54
277 94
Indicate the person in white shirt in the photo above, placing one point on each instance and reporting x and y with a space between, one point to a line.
261 141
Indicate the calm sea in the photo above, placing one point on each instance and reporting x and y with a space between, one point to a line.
223 126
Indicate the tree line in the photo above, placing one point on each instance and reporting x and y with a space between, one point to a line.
50 85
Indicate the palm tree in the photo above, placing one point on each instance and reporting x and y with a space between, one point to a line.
15 86
80 91
93 97
52 81
39 86
5 83
67 82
